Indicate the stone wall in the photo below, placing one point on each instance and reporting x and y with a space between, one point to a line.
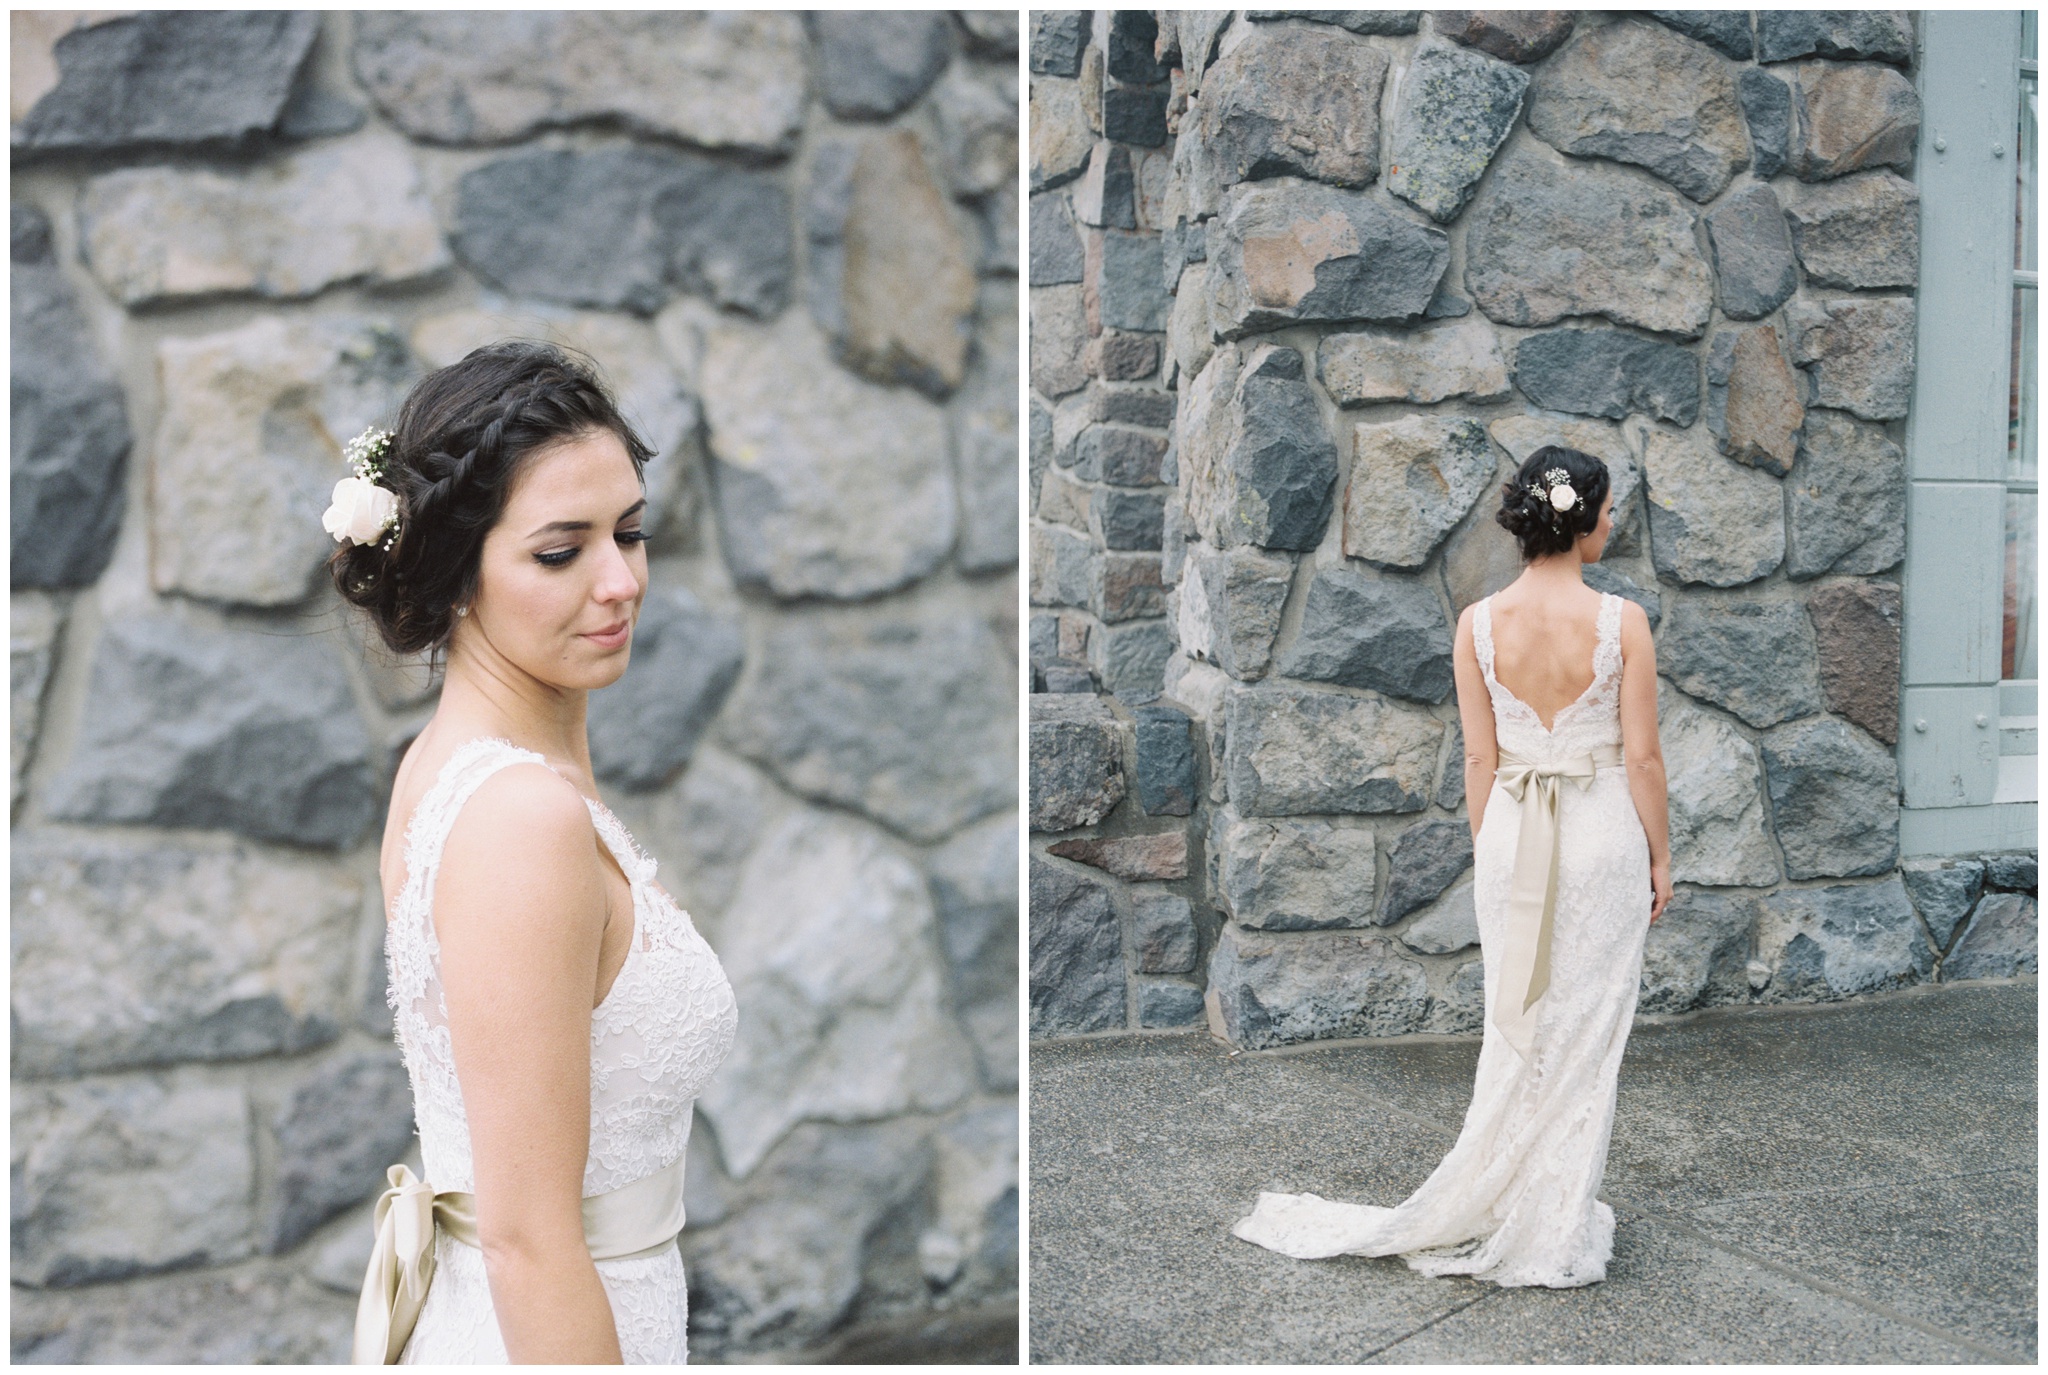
1306 288
236 239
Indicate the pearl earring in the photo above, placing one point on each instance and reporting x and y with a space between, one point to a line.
462 611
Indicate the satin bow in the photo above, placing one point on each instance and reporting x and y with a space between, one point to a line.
1532 889
401 1267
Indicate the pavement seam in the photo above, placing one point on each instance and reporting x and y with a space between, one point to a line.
1447 1313
1859 1188
1863 1301
1798 1276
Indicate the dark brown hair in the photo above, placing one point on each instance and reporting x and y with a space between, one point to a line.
462 436
1525 509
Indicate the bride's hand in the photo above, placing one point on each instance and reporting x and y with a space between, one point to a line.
1660 887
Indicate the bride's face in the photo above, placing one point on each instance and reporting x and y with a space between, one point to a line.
564 570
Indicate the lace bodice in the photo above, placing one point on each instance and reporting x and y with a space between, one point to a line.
1593 720
655 1041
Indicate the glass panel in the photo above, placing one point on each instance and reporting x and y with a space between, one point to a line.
2022 572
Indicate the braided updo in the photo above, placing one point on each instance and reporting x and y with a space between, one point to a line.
1526 511
463 434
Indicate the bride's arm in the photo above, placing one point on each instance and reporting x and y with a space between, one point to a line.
1475 715
1642 750
519 906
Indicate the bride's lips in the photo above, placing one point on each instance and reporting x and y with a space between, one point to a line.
612 637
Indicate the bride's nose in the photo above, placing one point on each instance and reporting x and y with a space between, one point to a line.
616 580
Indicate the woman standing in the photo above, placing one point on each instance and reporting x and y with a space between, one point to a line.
1572 863
558 1012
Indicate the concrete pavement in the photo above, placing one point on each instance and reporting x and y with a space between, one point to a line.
1851 1182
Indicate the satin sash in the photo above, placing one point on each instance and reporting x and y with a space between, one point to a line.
1532 889
638 1219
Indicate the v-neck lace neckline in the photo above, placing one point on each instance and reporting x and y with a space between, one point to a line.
1599 642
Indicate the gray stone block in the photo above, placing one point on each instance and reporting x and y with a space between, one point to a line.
1456 107
68 445
1319 254
1131 293
1845 501
1821 944
128 1176
1128 47
1767 108
1358 21
1077 962
1712 521
1413 480
1130 660
974 887
1725 31
2014 872
1448 925
170 79
1289 875
231 729
1253 461
624 228
1861 232
1275 991
645 727
1058 38
1230 605
873 63
477 77
1166 761
1754 272
342 1125
1422 862
1077 762
1166 1003
1639 93
906 717
1106 196
1389 363
1459 1009
1610 373
129 955
1886 35
1834 799
1293 103
1719 833
1544 242
1388 634
1128 520
2001 941
1163 933
1944 891
1697 953
1292 752
1056 256
1134 115
1857 352
1753 658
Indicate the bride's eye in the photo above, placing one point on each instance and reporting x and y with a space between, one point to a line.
631 537
555 558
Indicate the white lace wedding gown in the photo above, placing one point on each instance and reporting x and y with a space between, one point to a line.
1514 1201
655 1041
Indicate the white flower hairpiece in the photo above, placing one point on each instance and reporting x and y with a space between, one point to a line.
362 508
1563 496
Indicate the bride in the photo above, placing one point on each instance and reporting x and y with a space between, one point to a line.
558 1012
1557 692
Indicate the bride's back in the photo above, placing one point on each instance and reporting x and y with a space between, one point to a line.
1543 643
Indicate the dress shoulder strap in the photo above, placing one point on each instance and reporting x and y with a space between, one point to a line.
434 816
1482 633
1607 644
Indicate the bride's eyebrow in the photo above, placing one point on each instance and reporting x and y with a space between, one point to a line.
566 525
